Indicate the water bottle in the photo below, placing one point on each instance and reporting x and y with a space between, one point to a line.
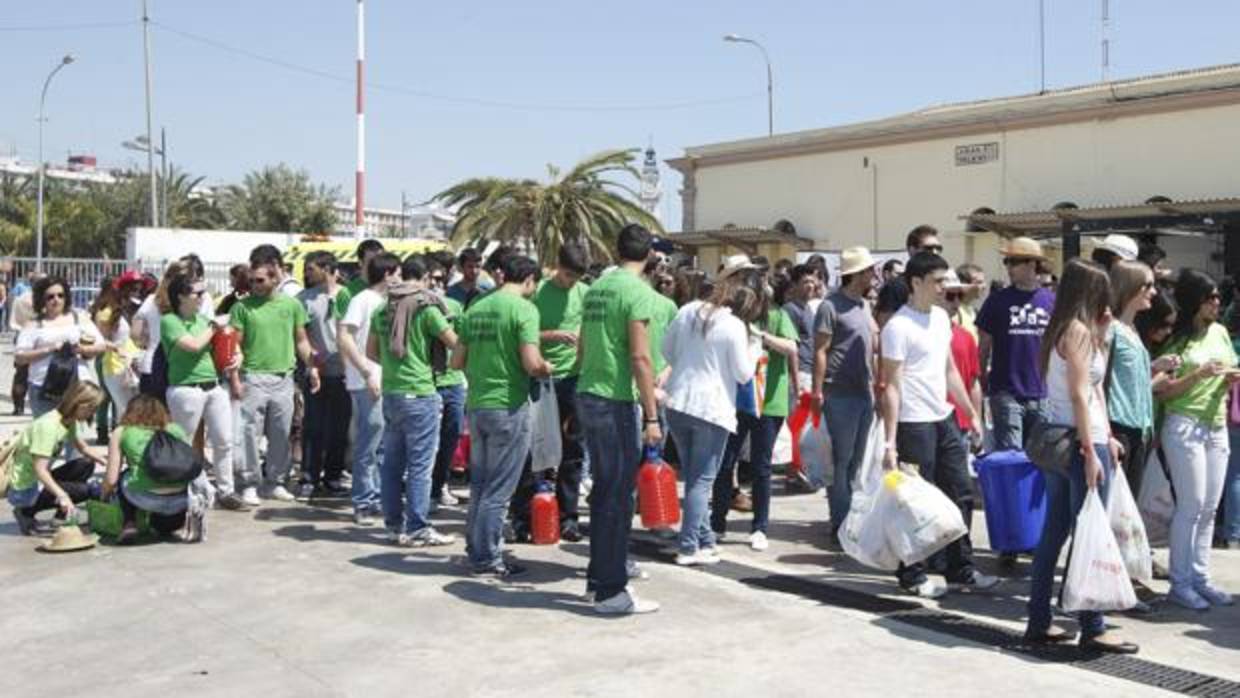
656 492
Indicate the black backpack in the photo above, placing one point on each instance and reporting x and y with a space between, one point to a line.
62 369
168 459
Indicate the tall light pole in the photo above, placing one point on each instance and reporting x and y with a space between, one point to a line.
359 193
38 225
150 153
142 145
770 85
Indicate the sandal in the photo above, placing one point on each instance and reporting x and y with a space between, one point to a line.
1093 644
1050 636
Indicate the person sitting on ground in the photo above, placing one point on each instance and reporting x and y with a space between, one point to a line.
36 486
166 502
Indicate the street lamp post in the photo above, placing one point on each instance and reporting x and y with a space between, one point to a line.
38 259
142 145
770 85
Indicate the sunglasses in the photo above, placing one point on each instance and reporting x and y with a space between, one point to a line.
437 279
1016 261
954 296
198 293
54 296
1148 285
932 249
1215 296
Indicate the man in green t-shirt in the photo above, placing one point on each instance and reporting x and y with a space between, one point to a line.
499 352
367 250
559 301
272 334
616 370
409 337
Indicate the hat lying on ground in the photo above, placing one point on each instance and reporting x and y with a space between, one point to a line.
69 538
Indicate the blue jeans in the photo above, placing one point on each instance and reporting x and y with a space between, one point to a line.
1230 525
1012 419
700 445
449 434
409 444
762 432
848 417
367 449
1064 497
613 442
500 441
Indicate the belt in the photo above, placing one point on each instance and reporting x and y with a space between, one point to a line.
204 386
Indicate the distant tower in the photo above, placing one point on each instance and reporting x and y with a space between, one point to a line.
650 191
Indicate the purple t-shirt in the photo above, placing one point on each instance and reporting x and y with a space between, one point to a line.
1015 321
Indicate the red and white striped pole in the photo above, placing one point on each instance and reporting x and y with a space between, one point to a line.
360 185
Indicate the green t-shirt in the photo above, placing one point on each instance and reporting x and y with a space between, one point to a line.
775 402
616 299
559 309
451 376
1205 401
411 375
493 329
42 439
661 315
355 286
267 326
185 368
134 441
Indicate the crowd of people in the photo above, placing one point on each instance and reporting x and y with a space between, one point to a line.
366 387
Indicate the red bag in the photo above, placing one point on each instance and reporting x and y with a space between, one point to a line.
460 457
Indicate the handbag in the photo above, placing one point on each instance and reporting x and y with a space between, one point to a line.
62 369
1051 446
170 460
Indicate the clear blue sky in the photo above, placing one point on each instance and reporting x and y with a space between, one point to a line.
835 62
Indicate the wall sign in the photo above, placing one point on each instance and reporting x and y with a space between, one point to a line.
976 153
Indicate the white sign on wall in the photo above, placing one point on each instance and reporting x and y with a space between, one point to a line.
977 153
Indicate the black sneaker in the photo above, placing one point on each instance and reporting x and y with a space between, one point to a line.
505 571
232 502
128 535
570 532
26 523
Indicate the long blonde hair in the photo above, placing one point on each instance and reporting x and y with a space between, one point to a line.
80 394
1128 279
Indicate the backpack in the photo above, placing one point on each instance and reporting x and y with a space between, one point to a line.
8 460
170 460
62 369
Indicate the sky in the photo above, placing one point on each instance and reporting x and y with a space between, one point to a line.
490 88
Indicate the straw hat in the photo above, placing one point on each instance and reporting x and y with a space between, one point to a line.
1023 248
735 263
1121 245
855 259
69 538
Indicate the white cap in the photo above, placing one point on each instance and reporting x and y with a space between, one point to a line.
1120 245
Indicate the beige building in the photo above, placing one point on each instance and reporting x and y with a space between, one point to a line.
1066 165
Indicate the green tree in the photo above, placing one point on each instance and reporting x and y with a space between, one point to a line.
188 206
279 199
588 204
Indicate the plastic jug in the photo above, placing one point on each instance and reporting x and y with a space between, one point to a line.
656 492
1014 493
224 347
545 516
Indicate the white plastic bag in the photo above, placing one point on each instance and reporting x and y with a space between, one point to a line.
1155 501
863 534
1097 579
815 445
922 520
1129 530
546 446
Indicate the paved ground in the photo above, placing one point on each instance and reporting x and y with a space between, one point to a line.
296 600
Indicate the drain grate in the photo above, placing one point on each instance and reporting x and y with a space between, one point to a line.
1127 667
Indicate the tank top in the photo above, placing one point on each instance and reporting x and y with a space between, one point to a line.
1059 400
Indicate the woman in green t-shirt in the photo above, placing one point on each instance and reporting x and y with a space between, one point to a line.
165 502
36 486
1194 435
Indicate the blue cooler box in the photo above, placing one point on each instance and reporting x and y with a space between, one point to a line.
1015 496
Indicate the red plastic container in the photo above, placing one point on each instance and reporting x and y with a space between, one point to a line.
545 516
224 347
460 457
656 492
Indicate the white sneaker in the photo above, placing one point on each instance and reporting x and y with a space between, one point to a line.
703 556
250 496
427 537
929 589
280 494
447 499
758 541
625 603
587 484
981 582
635 571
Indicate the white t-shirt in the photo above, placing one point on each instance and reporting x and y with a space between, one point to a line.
149 312
922 343
708 367
290 287
361 308
36 335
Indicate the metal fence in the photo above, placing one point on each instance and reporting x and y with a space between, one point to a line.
85 276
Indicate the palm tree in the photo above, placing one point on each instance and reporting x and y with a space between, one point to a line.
279 199
587 205
188 207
